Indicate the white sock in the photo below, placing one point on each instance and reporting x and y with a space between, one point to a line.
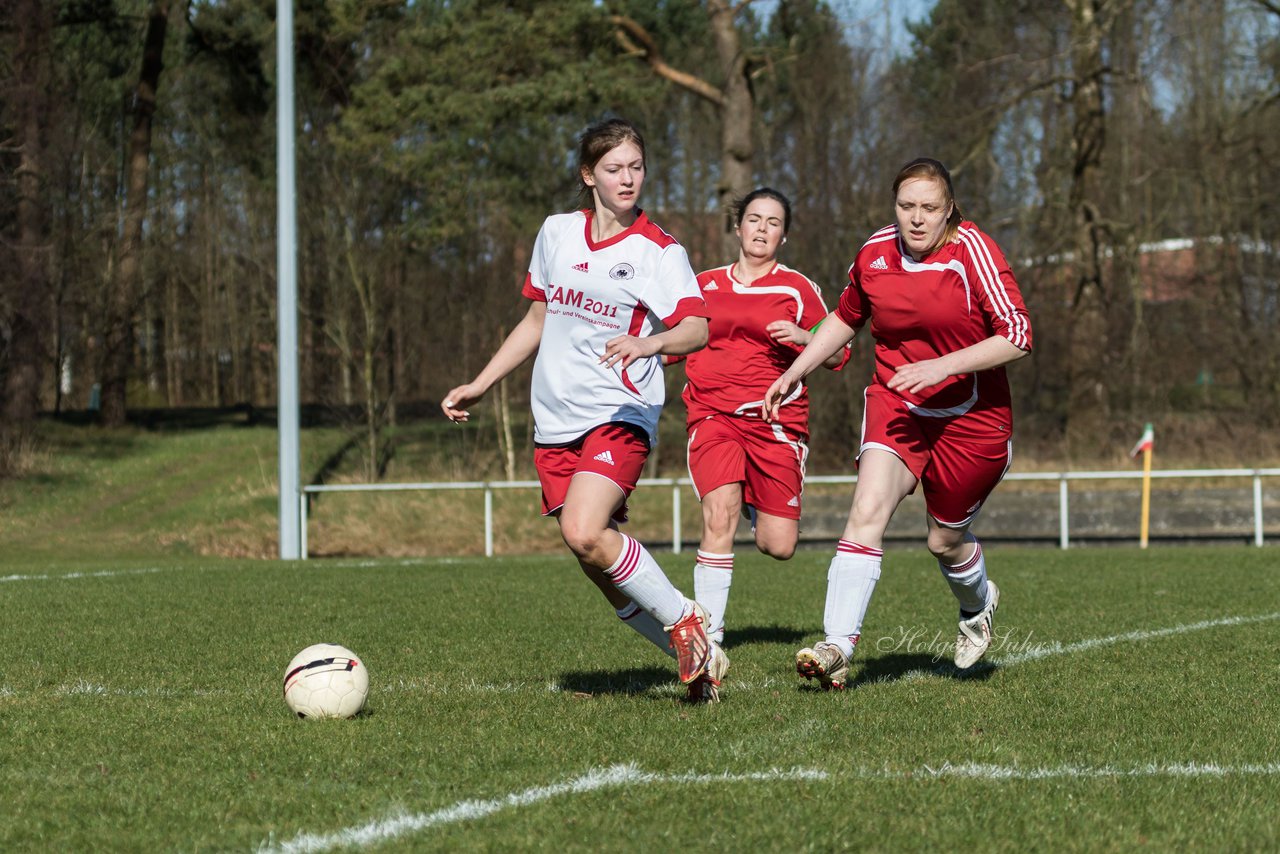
648 628
850 582
712 577
968 579
637 575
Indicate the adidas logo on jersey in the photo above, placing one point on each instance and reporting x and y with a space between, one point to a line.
711 286
604 456
581 268
879 264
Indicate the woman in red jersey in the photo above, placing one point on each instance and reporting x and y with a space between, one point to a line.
947 316
762 315
610 293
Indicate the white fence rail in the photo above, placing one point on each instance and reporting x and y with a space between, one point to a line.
676 484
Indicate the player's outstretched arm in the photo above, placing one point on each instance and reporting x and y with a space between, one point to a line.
519 345
833 334
786 332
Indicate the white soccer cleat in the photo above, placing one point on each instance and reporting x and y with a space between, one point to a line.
975 632
706 688
826 663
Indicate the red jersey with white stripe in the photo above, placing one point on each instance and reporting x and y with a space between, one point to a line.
635 283
741 360
960 295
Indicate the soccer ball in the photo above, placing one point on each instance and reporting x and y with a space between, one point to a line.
326 681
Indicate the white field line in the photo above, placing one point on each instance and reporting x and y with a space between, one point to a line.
1057 648
379 563
997 773
1034 653
111 573
383 830
426 686
72 576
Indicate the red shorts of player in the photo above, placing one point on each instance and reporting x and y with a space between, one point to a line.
767 459
956 473
616 452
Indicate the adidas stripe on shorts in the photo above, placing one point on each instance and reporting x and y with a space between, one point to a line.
767 459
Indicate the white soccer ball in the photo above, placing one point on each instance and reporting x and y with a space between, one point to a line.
326 681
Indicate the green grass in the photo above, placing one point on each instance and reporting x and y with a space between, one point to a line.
141 710
1130 703
138 492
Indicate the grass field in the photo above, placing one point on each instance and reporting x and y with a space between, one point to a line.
1130 704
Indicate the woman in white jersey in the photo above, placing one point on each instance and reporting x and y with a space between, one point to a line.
947 316
611 294
763 313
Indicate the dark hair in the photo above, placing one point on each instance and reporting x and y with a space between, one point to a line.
933 170
740 206
597 141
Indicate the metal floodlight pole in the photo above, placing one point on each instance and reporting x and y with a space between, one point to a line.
287 288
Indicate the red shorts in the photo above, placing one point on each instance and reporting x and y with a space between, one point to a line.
767 459
613 451
956 473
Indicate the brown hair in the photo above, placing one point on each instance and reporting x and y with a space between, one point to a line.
933 170
597 141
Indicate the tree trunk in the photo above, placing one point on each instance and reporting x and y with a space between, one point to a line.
174 346
506 441
128 281
1089 349
502 420
735 102
737 120
28 322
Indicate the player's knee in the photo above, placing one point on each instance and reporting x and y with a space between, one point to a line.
944 542
582 538
777 549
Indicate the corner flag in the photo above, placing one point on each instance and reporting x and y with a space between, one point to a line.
1146 443
1144 447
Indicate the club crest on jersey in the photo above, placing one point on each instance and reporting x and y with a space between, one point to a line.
622 271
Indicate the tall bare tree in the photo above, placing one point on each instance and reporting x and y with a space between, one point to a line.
127 285
26 358
733 96
1089 345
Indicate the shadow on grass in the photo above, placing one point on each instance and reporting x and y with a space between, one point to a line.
636 680
160 419
735 637
896 667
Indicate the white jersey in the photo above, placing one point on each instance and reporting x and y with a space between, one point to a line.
635 283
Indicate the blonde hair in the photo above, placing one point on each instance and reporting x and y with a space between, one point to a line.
929 169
